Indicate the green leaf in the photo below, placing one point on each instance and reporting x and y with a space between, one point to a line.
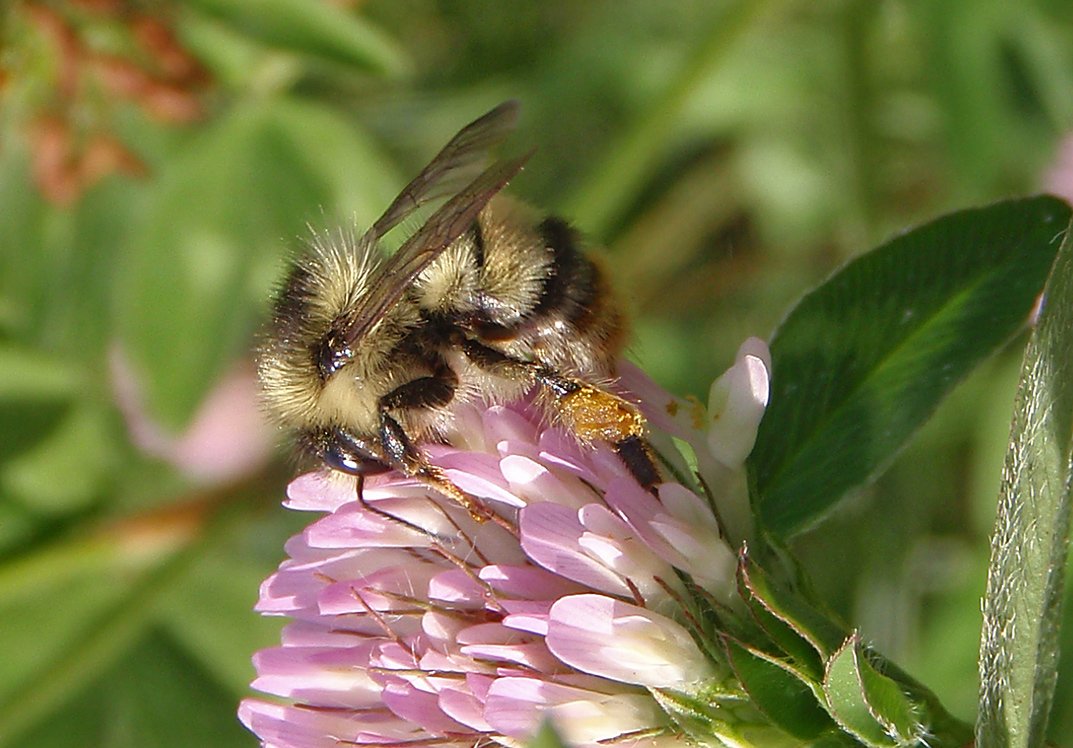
699 715
28 375
864 359
82 447
785 695
25 425
597 205
324 29
1019 647
36 394
32 590
196 280
156 695
211 613
24 249
128 575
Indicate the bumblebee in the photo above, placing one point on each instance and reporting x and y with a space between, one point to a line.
367 353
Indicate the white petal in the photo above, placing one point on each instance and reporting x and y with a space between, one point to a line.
736 403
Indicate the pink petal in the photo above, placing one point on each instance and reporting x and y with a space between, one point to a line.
458 588
680 528
461 705
502 423
420 708
560 450
325 677
527 582
479 475
322 491
354 526
550 535
617 545
517 706
383 590
665 412
623 642
533 482
282 726
526 615
736 403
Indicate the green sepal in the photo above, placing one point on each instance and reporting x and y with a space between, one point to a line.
867 704
703 714
804 633
788 697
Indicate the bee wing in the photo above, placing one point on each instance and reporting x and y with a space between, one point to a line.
464 153
444 226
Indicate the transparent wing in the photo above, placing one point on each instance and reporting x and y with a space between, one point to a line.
444 226
454 165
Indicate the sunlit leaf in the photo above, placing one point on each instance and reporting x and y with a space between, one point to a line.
868 704
890 705
864 359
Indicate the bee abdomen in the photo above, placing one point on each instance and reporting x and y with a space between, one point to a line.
578 315
572 320
571 286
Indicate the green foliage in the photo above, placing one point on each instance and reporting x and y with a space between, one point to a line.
546 738
780 692
1022 608
729 154
861 361
868 705
130 701
244 194
320 29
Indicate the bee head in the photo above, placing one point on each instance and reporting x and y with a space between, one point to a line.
340 450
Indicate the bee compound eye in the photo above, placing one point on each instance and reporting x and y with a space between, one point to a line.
332 355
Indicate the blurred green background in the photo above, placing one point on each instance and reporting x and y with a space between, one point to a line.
159 160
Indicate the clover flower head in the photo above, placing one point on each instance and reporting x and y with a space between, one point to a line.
414 624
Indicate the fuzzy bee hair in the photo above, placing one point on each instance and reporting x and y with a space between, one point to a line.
367 354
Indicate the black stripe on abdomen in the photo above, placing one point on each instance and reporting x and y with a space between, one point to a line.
570 288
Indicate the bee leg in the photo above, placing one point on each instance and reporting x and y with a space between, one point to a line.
412 461
426 392
590 413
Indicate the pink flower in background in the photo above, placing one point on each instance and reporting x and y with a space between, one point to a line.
414 624
227 437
